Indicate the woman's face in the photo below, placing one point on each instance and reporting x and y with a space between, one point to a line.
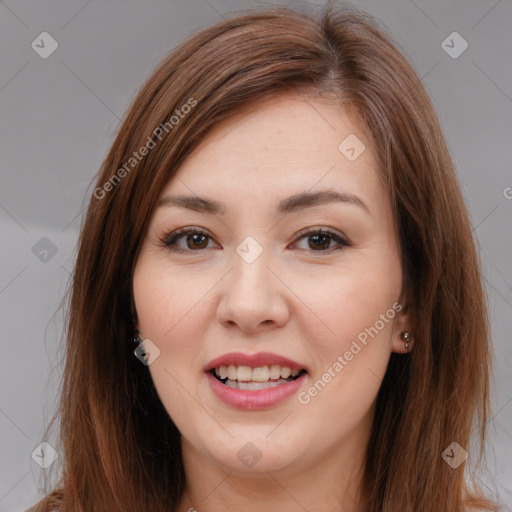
252 293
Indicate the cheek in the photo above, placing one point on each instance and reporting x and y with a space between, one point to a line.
169 311
352 300
172 312
354 353
163 297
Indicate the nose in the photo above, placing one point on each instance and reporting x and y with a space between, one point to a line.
253 297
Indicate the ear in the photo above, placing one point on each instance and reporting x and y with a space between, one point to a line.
402 324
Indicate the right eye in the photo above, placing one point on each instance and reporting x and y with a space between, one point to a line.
195 240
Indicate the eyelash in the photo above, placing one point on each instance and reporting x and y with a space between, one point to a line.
169 240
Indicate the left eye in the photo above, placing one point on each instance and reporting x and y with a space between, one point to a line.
320 240
195 240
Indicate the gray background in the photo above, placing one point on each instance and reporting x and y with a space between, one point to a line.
59 116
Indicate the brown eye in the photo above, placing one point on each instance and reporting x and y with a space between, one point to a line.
319 240
194 240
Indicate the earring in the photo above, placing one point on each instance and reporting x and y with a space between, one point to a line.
406 336
136 335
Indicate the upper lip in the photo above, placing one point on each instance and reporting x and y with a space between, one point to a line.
253 360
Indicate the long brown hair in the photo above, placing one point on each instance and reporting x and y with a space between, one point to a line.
120 449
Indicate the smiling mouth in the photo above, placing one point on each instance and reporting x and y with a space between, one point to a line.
251 379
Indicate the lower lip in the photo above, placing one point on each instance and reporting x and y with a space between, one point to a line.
257 399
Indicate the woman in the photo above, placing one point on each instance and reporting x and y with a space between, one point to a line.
279 228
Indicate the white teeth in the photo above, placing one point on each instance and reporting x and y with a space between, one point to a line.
231 372
251 386
275 372
285 372
259 374
244 373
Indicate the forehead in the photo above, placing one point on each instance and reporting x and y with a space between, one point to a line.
288 143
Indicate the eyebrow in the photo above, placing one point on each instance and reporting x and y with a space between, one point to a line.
288 205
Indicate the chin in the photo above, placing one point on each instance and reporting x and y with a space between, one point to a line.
254 451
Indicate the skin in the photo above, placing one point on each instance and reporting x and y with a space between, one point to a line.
298 299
